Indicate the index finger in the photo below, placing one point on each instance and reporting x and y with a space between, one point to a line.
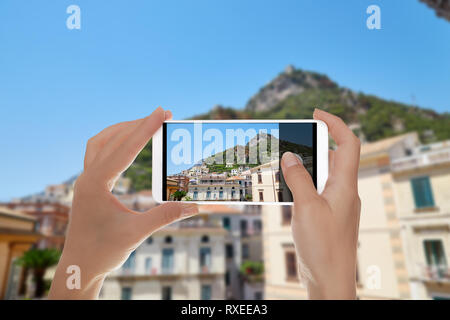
346 158
125 154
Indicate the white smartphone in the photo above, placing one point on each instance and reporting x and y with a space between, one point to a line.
234 161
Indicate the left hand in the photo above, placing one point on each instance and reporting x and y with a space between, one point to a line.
102 232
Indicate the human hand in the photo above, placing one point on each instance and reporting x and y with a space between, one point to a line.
102 232
325 227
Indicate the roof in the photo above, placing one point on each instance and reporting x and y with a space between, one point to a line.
384 145
267 164
15 213
218 209
236 178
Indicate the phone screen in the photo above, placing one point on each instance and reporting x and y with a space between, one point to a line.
236 161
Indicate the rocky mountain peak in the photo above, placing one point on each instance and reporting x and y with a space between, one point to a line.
290 82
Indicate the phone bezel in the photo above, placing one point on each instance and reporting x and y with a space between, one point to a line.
321 157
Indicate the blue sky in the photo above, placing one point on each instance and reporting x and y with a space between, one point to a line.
58 87
196 138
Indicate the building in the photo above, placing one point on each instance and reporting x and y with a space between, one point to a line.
17 235
182 182
197 258
243 243
122 186
180 262
62 193
266 182
171 187
422 191
245 185
214 187
403 246
176 183
51 220
140 201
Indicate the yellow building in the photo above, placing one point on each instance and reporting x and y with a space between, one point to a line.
398 243
422 192
16 236
266 182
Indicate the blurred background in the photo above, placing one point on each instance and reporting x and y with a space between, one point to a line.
385 70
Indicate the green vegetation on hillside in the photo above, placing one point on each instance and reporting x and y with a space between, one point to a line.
140 172
374 118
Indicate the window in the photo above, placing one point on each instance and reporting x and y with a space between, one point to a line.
291 265
245 251
206 292
423 195
261 196
130 262
286 215
259 178
168 239
232 194
277 176
229 251
205 257
149 240
148 265
257 226
280 196
195 195
208 194
434 253
244 228
167 260
205 239
166 293
126 293
220 194
226 223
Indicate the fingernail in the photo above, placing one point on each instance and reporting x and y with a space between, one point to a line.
167 115
290 159
188 209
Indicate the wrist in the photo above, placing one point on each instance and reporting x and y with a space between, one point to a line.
337 284
333 290
75 279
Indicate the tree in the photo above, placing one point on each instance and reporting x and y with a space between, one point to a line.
178 195
39 260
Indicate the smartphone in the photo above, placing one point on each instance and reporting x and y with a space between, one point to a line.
234 161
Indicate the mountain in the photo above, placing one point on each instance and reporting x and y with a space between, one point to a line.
294 94
442 7
288 83
261 139
238 150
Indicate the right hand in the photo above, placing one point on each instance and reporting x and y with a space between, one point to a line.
325 227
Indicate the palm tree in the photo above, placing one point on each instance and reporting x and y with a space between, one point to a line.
178 195
39 260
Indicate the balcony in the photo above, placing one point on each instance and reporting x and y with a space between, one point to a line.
132 272
214 183
205 269
421 160
435 273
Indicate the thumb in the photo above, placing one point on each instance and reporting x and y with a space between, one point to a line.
297 178
165 214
